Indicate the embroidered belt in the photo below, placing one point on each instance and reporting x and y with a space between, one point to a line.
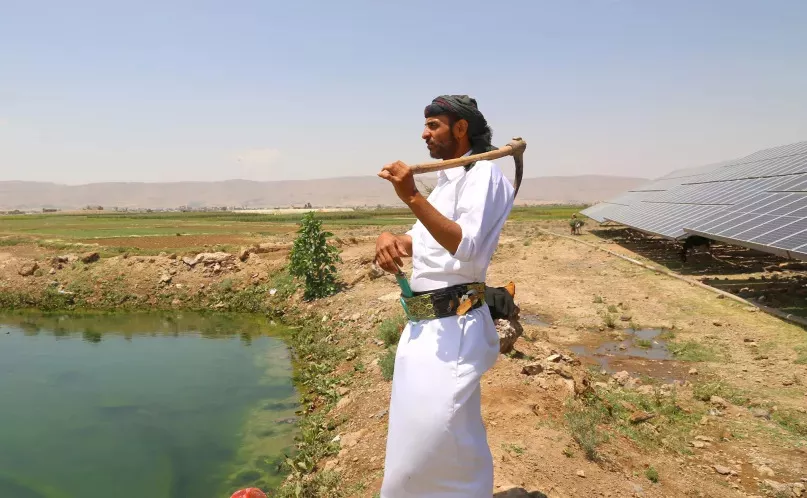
456 300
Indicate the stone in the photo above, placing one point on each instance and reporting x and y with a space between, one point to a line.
778 489
719 402
352 439
28 269
52 271
700 444
509 331
693 371
723 471
532 369
705 439
554 358
765 471
90 257
639 417
622 377
243 254
165 279
562 370
760 413
580 473
343 403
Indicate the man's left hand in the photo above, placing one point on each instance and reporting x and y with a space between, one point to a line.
400 175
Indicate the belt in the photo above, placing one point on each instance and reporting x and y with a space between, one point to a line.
456 300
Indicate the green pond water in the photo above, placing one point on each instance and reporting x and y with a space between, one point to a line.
142 405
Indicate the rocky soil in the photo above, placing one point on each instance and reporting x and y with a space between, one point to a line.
723 413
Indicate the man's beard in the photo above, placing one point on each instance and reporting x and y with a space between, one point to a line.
444 150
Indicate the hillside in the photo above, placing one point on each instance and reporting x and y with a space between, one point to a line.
332 192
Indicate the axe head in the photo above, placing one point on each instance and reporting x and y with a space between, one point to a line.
519 146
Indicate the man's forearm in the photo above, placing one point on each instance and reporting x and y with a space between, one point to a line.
445 231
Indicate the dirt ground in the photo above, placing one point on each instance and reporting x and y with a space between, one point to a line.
725 399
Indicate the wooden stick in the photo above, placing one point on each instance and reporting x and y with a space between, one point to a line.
514 148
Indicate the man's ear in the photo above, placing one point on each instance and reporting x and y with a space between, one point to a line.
460 129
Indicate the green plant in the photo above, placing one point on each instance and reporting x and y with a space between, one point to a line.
652 474
387 363
643 343
801 359
612 309
704 391
583 420
313 259
692 351
390 330
597 298
609 321
513 448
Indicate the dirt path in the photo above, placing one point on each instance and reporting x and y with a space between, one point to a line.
739 394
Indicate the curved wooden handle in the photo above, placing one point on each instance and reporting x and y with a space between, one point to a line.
515 147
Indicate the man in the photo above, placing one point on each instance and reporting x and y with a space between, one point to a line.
437 444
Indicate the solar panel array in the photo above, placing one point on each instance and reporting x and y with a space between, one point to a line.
758 201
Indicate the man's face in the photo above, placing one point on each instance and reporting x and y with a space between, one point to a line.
439 137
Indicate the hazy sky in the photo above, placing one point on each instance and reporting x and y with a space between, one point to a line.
178 90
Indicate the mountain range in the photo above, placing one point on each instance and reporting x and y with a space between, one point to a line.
329 192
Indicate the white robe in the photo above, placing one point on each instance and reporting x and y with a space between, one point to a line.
437 444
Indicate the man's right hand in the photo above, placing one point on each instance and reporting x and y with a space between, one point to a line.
389 249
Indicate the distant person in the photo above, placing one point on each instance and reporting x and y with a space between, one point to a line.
575 224
437 444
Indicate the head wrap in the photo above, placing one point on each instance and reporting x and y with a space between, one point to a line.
464 107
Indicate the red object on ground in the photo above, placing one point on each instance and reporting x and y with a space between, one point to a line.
249 493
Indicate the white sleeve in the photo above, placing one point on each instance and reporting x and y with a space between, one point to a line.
483 200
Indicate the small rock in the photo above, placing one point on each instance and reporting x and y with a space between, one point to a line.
717 323
778 488
272 292
693 371
706 439
176 302
532 369
748 339
90 257
381 414
760 413
719 402
765 471
723 471
622 377
625 318
28 269
165 279
355 317
554 358
639 417
563 371
700 444
52 271
344 391
580 473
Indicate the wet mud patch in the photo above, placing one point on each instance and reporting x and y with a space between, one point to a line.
534 320
639 352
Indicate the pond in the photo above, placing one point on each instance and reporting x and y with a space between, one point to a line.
142 405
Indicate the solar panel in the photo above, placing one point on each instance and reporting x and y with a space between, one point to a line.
759 201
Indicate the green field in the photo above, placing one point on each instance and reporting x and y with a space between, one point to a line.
127 231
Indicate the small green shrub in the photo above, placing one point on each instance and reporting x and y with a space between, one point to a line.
612 309
597 298
651 474
313 259
390 330
609 321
